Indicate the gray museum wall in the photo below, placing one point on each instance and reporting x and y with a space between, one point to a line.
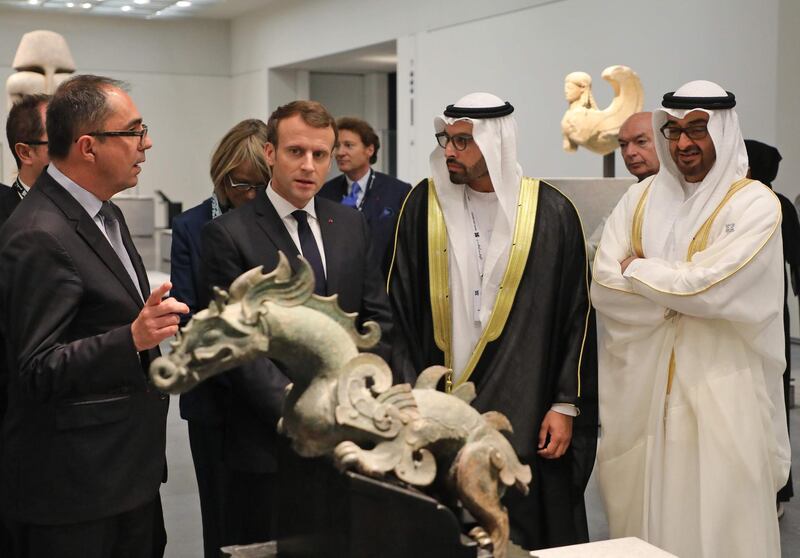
179 72
193 79
523 49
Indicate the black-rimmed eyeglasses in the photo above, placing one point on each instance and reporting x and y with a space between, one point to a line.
34 142
460 141
673 133
141 134
244 186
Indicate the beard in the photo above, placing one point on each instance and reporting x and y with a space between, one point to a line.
466 174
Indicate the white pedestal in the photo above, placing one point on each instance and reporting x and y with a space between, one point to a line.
594 198
629 547
139 214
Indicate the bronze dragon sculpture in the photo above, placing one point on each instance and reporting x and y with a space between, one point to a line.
342 401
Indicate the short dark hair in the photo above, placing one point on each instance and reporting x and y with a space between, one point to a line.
24 122
313 113
364 131
79 106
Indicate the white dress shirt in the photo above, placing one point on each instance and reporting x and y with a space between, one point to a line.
88 201
285 209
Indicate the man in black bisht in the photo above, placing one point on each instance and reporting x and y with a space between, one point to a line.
489 278
764 161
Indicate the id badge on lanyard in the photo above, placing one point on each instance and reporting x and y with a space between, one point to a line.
479 257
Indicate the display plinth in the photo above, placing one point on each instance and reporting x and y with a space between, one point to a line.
326 513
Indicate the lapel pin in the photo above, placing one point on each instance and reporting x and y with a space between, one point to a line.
330 220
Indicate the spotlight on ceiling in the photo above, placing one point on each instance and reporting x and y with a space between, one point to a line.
33 2
86 5
125 8
141 2
183 3
70 4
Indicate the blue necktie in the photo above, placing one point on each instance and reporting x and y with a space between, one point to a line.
308 246
351 200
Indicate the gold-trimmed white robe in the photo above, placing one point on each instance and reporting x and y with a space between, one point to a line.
695 472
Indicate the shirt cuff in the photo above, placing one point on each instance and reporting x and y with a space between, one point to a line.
565 409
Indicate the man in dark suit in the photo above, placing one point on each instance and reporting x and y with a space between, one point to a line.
378 196
334 239
85 433
27 139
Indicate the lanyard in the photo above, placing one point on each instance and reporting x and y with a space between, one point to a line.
479 256
370 180
19 189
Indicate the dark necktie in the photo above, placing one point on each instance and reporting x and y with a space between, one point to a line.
111 225
308 246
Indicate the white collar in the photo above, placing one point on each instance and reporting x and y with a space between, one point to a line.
283 207
362 180
91 203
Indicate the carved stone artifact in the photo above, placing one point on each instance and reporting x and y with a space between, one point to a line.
42 62
342 402
584 124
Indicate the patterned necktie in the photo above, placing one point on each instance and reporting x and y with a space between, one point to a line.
351 200
308 246
111 225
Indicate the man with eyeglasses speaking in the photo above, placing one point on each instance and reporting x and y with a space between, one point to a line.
688 286
489 279
84 435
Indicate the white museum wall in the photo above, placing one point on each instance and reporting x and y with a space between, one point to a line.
522 51
179 72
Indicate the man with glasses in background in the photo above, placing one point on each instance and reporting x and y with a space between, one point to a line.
490 280
27 139
85 432
688 287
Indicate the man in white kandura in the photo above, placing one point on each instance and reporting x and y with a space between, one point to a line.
688 286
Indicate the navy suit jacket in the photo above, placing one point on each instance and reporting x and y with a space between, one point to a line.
204 403
185 256
252 235
381 207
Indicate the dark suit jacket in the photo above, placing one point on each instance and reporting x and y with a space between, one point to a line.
251 236
381 207
205 402
9 200
84 434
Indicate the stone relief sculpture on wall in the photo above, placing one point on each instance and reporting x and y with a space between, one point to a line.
342 403
42 62
586 125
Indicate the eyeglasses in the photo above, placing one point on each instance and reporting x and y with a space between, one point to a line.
673 133
35 142
244 186
460 141
141 134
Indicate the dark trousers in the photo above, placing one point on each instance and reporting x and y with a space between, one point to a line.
250 507
138 533
205 441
